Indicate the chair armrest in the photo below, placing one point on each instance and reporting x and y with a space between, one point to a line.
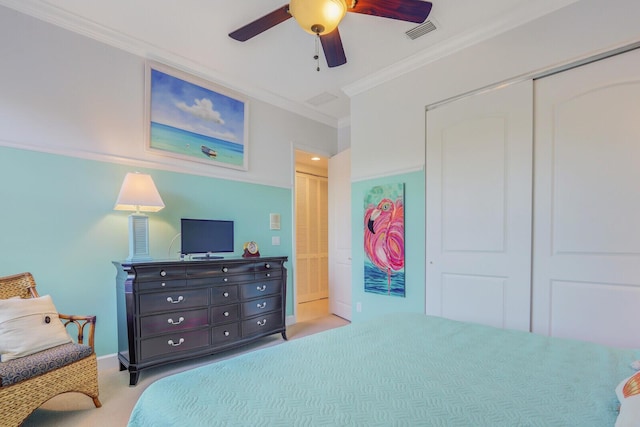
80 322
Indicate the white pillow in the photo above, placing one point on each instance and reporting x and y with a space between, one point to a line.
28 326
628 392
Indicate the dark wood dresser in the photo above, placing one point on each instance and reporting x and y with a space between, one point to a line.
176 310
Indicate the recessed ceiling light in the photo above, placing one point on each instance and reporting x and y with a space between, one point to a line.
315 158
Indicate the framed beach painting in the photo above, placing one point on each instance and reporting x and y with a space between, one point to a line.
193 119
384 240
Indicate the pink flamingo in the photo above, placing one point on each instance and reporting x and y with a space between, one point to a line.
384 236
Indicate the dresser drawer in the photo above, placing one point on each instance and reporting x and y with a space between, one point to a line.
268 274
216 269
262 324
227 334
174 321
179 299
158 285
174 343
221 279
224 313
261 305
224 294
150 273
260 289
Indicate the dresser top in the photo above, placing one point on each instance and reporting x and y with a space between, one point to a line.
157 262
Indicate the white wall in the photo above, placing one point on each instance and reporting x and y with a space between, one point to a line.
388 121
68 94
72 125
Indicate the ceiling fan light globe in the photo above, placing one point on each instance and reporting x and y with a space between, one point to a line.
314 14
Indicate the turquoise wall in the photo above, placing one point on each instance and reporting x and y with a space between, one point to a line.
58 223
374 305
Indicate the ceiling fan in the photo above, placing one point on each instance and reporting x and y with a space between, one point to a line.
321 18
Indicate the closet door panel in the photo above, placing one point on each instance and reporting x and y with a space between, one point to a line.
478 213
586 274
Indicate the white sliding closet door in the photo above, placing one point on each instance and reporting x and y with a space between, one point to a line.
478 213
586 274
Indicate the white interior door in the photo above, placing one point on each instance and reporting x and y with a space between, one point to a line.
478 213
586 275
340 234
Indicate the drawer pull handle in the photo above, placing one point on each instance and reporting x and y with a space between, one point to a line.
180 299
226 314
163 284
226 279
225 269
225 294
263 305
171 343
268 274
163 273
267 266
262 288
262 323
226 333
172 322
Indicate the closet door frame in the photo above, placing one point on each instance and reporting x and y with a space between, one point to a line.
432 307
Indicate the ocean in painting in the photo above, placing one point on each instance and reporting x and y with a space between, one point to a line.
187 143
376 281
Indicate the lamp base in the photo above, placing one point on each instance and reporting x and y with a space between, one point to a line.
138 238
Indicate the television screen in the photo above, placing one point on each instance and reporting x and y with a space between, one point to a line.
203 236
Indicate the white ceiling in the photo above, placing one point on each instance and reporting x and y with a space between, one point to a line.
277 66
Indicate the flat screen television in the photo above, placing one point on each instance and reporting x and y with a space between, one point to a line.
205 236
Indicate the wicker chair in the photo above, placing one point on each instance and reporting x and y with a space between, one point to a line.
26 391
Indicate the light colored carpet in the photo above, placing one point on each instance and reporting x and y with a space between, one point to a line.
118 398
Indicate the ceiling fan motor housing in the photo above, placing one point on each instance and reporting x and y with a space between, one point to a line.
318 17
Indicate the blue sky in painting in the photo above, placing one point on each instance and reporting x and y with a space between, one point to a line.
186 106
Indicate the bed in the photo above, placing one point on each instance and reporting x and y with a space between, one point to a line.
404 369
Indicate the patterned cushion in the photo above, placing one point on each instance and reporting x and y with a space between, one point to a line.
23 368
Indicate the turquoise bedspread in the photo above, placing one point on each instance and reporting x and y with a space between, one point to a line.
407 369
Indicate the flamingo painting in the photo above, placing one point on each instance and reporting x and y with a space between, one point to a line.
384 240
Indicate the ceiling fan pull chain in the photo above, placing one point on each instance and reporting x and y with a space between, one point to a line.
317 55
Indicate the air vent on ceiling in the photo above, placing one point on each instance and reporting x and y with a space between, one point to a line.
422 29
323 98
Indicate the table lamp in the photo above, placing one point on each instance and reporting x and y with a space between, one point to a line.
139 194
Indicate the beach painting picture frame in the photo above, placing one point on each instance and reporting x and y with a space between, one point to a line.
193 119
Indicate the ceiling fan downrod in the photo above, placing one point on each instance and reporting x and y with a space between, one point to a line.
317 55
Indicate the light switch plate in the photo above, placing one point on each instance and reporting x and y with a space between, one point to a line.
274 221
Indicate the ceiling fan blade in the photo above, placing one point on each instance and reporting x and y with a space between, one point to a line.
261 24
403 10
333 50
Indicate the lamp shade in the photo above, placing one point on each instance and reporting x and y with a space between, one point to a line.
318 16
138 193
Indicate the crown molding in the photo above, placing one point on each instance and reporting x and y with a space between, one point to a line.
58 17
476 35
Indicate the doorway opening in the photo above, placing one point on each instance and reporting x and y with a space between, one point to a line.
312 236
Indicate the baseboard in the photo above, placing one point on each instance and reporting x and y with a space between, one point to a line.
290 320
109 361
